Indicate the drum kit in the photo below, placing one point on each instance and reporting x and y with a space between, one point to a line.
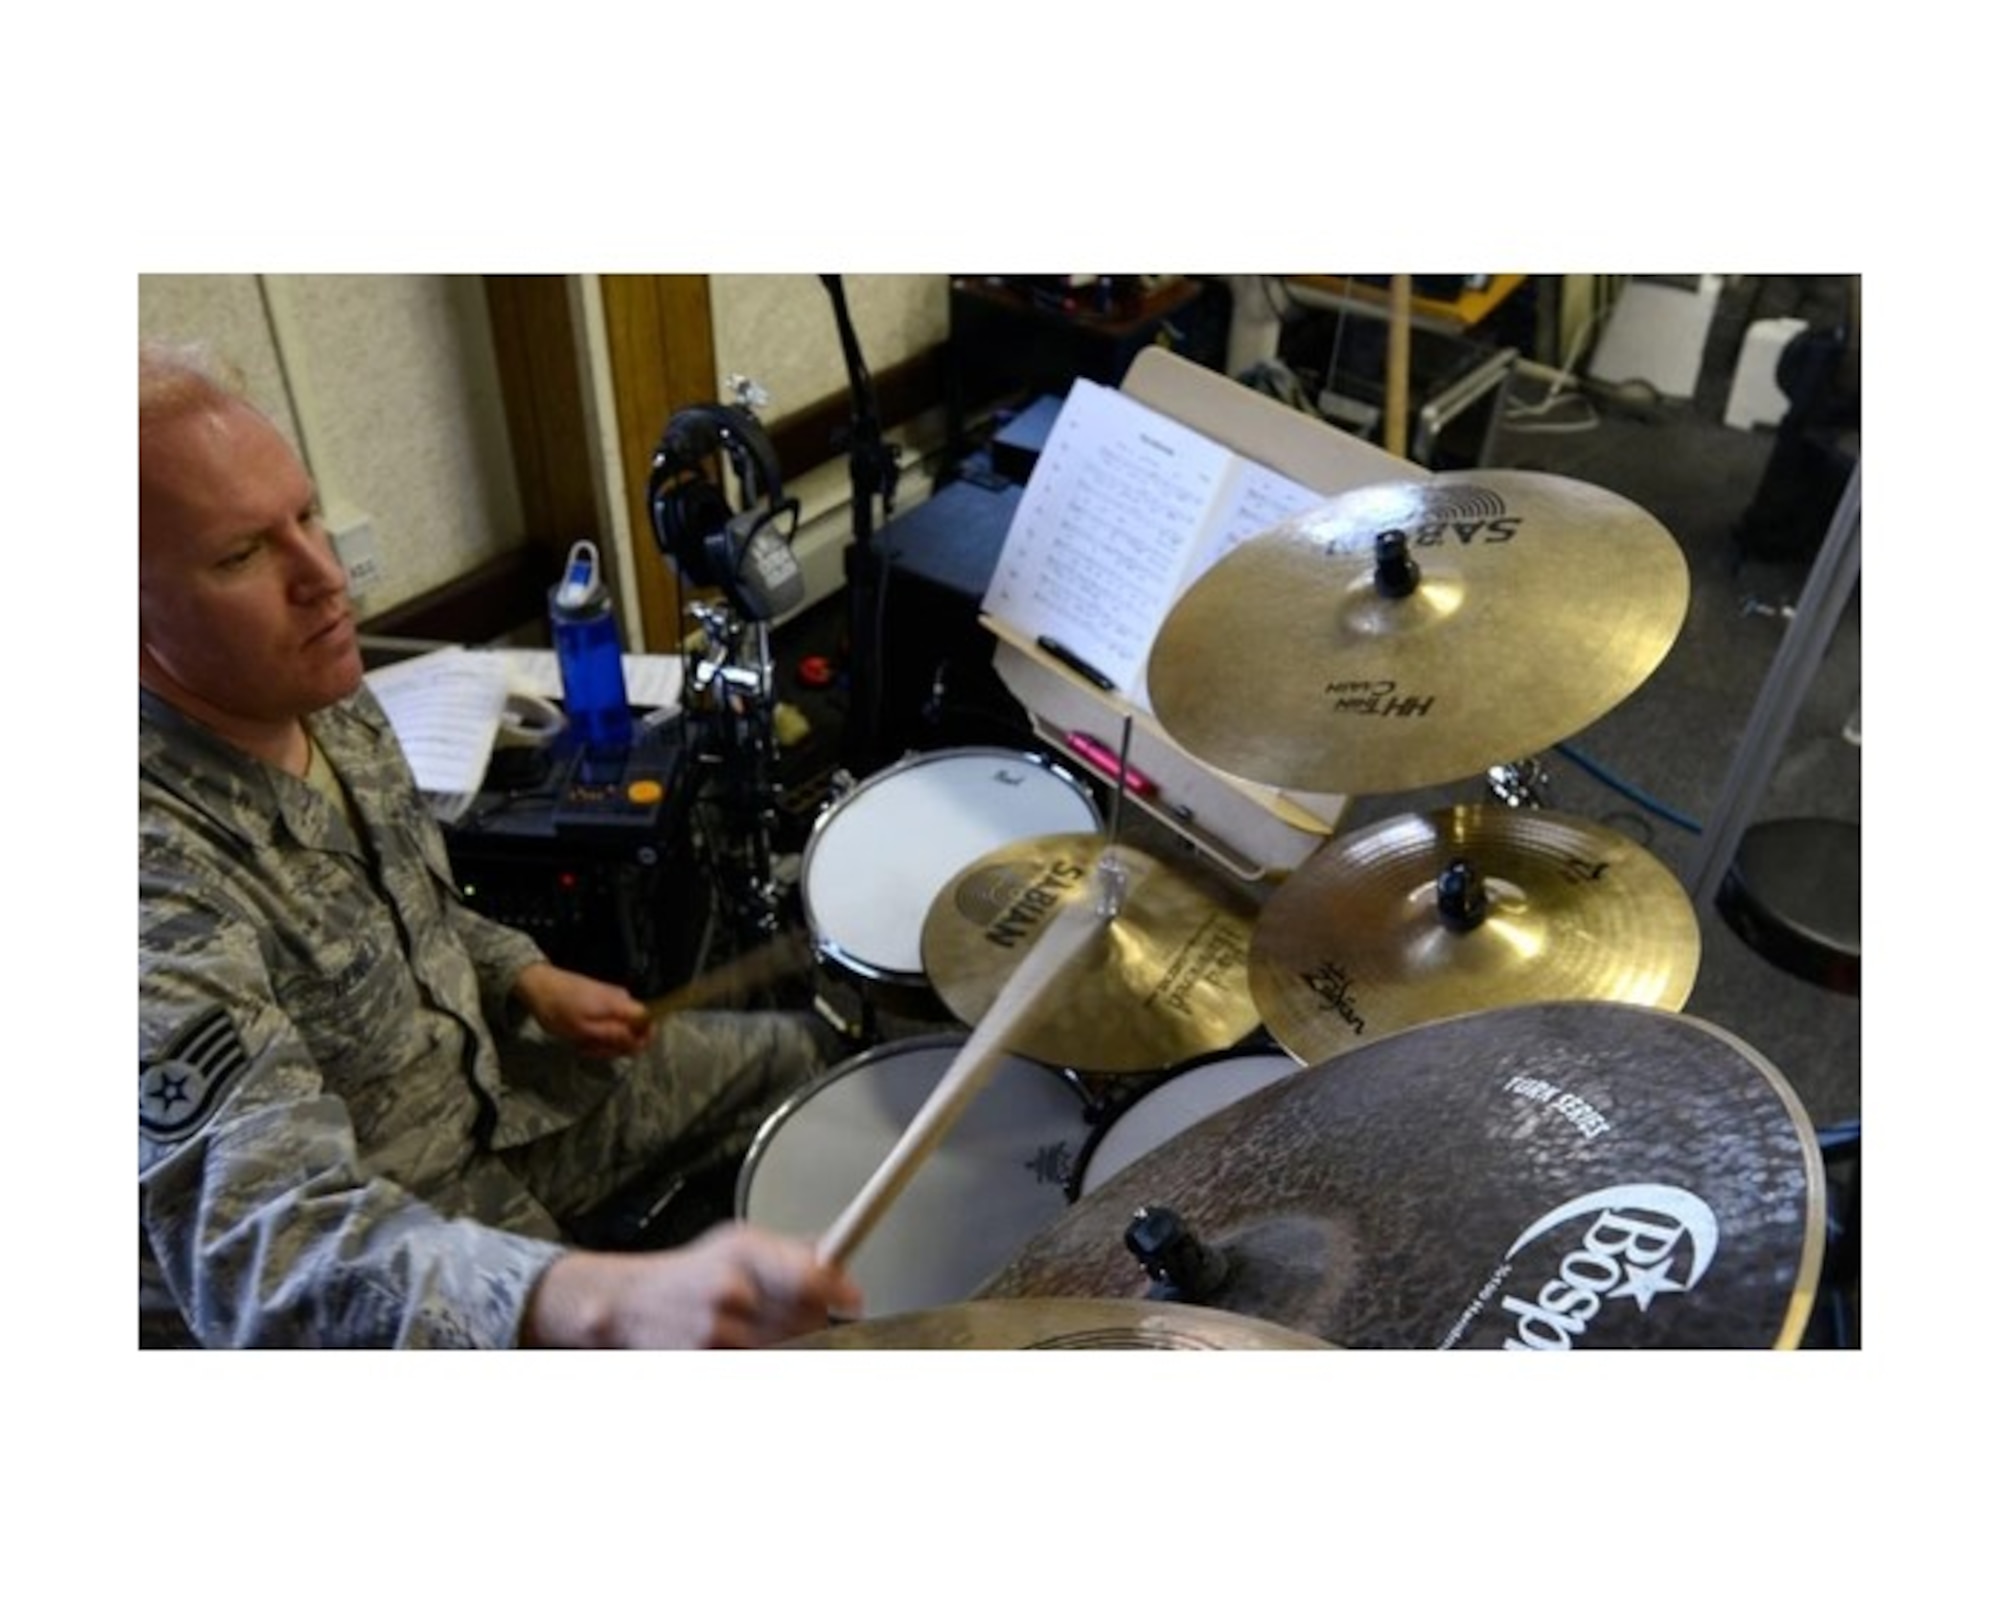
1436 1090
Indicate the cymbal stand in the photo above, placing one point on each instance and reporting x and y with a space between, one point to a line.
1807 636
734 685
1518 784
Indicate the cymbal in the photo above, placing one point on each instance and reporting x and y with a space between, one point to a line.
1534 605
1428 915
1567 1175
1166 980
1060 1325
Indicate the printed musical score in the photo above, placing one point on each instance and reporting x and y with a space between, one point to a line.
1125 509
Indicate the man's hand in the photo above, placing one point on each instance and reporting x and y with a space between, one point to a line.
735 1288
600 1020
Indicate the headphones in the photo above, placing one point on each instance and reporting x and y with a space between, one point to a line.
747 555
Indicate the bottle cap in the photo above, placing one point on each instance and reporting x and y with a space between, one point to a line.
582 585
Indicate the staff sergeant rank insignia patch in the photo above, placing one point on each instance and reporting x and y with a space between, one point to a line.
180 1088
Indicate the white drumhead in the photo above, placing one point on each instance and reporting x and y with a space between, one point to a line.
879 858
1193 1092
996 1178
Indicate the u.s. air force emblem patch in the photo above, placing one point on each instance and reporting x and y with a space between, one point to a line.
181 1085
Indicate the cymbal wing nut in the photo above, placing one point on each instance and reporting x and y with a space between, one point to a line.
1181 1266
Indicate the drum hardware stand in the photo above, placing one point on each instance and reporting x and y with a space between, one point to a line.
734 685
1519 784
1112 876
1799 656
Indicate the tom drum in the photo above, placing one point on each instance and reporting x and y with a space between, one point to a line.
878 857
997 1177
1189 1092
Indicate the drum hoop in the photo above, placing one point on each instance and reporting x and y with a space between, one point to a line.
830 950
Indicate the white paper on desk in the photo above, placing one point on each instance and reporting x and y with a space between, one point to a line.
445 707
1125 509
652 680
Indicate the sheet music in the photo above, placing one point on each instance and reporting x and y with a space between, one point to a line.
1260 499
652 680
1102 537
446 705
1126 507
446 708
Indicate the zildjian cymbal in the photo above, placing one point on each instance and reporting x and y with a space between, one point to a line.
1166 980
1411 634
1454 911
1061 1325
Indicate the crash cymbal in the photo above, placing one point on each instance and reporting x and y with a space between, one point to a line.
1453 911
1166 979
1586 1175
1061 1325
1529 606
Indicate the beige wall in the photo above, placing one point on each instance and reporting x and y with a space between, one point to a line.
388 385
780 331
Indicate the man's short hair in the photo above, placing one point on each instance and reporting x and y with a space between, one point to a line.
176 375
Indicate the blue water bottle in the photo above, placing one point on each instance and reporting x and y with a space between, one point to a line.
589 655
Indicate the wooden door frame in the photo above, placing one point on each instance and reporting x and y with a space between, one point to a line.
660 343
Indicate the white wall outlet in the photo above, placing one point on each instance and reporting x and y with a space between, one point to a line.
354 544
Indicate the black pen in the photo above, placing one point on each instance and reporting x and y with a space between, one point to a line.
1096 677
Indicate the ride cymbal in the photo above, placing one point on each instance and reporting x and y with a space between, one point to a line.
1060 1325
1411 634
1166 980
1577 1175
1454 911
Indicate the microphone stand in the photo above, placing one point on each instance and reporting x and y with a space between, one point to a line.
872 472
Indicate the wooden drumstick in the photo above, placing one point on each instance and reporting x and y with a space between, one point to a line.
1396 386
1066 935
762 965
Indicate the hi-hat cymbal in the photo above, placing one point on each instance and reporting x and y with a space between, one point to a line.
1167 979
1574 1175
1061 1325
1454 911
1529 606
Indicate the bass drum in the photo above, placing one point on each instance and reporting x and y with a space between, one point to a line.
1187 1093
997 1177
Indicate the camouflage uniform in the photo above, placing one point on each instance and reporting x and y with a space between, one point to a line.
347 1134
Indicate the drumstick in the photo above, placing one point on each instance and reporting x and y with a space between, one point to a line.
1067 933
763 965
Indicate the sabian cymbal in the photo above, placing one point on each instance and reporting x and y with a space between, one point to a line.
1574 1175
1061 1325
1444 912
1534 604
1166 980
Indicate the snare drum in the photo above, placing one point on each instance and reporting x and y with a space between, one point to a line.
878 858
1190 1092
997 1177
